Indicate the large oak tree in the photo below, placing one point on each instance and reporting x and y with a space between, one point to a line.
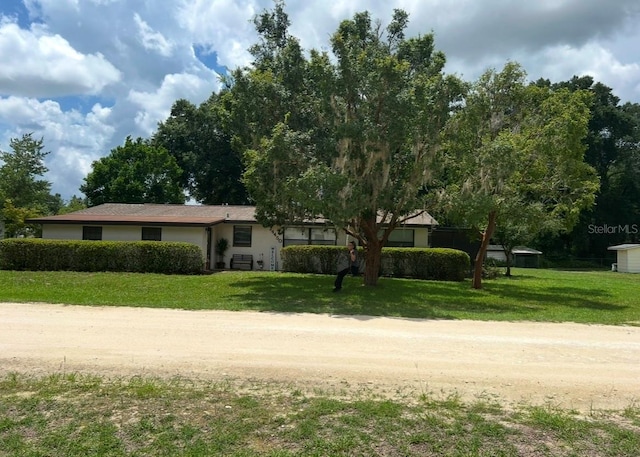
515 155
349 137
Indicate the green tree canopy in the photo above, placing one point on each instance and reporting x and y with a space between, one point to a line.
22 193
137 172
516 156
350 137
613 147
197 138
20 171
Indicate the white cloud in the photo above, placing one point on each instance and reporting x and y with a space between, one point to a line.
559 63
37 63
156 106
152 40
73 138
221 25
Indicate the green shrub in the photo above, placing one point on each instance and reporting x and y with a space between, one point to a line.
441 264
420 263
132 256
311 259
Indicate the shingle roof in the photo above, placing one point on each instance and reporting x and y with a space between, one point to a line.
200 215
126 213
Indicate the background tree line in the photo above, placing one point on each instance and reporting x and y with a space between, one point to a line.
374 132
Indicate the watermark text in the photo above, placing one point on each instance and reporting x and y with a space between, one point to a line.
606 229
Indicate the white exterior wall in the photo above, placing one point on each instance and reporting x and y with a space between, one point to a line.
633 260
629 260
263 243
421 237
193 235
120 233
622 262
61 232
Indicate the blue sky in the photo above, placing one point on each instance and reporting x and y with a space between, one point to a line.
84 74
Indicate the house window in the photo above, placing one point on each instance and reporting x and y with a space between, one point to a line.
401 238
151 234
295 235
91 233
314 236
242 235
322 236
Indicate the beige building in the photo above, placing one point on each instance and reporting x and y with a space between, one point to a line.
204 225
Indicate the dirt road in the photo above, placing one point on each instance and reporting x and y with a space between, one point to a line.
570 365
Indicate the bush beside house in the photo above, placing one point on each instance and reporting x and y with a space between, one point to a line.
421 263
130 256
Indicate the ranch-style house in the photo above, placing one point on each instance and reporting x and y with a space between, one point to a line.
252 245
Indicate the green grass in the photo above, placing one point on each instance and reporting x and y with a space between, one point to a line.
77 415
82 415
533 295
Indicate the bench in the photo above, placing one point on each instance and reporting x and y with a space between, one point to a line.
242 262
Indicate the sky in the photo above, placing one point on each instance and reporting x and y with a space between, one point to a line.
85 74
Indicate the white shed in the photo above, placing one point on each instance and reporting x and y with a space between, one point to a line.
522 256
628 257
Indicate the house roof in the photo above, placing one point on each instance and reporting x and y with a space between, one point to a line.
623 247
421 220
190 215
148 213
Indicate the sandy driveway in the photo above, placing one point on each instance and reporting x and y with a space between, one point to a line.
578 366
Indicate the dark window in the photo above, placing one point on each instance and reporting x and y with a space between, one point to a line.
151 234
314 236
91 233
401 238
295 235
322 236
242 235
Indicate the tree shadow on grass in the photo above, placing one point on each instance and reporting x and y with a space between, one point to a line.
511 299
313 294
554 296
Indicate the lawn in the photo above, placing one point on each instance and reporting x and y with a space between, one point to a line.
73 414
76 415
596 297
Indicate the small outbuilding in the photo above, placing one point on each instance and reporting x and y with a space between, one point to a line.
628 258
521 256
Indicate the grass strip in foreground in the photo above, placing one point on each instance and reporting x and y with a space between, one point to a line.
82 415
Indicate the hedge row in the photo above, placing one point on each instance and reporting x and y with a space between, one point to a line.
420 263
311 259
441 264
131 256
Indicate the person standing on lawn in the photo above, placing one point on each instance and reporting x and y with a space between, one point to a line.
346 263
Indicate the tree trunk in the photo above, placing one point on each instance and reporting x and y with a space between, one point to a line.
372 264
508 273
486 236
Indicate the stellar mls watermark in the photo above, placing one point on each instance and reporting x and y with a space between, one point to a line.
606 229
